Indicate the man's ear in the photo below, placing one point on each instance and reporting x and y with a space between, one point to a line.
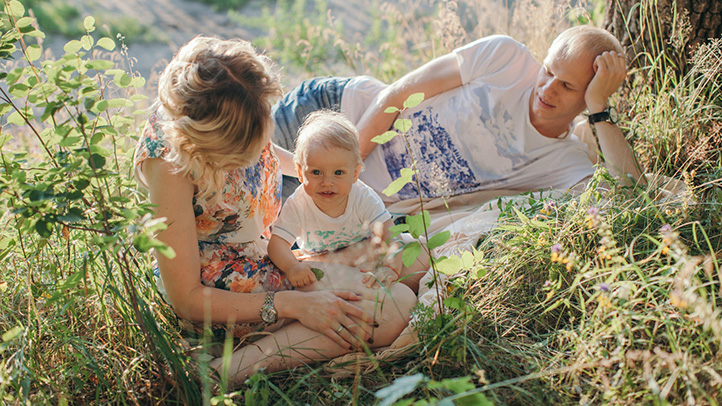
299 172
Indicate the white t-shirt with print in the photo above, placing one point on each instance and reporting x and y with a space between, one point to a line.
475 137
315 232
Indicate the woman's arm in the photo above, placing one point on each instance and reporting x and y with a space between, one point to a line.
436 76
191 300
172 194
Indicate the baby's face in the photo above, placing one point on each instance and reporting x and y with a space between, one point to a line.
328 175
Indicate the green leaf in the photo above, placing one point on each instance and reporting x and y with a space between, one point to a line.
398 229
398 183
114 103
16 9
449 265
43 228
122 80
19 90
100 64
318 273
16 118
72 46
87 42
410 253
385 137
402 124
414 100
454 303
418 224
12 334
398 389
106 43
89 24
438 239
391 109
467 260
96 161
24 22
34 52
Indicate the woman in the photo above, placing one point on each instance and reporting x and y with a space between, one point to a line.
211 171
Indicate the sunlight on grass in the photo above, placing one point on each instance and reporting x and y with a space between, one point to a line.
607 296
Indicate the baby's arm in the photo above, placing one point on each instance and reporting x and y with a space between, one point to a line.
298 273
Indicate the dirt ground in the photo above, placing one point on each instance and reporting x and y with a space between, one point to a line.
181 20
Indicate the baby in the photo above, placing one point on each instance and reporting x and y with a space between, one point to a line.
331 209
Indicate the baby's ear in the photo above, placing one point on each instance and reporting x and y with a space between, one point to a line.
299 172
357 172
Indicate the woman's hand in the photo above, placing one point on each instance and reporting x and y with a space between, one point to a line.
330 313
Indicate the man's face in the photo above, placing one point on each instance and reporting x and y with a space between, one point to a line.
558 95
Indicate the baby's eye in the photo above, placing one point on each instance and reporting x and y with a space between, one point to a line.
338 172
315 172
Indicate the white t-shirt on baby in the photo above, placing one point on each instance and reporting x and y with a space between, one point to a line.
475 137
315 232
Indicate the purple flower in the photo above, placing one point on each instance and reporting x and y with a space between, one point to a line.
604 287
557 248
666 229
593 211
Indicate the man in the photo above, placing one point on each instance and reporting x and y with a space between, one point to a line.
493 118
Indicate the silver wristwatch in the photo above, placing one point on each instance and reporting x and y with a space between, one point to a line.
268 311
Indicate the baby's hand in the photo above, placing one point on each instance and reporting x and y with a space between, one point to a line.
384 275
301 275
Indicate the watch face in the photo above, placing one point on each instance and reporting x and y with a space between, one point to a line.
613 115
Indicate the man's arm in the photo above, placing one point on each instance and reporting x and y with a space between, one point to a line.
436 76
610 70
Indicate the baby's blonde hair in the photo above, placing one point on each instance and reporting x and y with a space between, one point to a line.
329 129
584 40
217 96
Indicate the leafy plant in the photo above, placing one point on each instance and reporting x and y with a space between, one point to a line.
76 236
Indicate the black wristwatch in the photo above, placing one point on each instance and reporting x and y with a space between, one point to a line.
609 114
268 311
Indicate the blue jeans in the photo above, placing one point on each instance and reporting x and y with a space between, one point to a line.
288 114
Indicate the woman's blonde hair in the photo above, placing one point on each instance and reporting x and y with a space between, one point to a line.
584 40
328 129
217 97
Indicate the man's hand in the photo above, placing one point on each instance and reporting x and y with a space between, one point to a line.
610 69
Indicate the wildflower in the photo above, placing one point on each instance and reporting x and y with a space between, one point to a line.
604 287
669 238
592 218
547 283
548 207
677 301
604 301
556 250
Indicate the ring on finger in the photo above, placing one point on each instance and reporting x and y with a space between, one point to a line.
338 331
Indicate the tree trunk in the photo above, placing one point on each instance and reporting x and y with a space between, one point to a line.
649 28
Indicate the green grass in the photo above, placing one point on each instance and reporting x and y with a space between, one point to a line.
607 297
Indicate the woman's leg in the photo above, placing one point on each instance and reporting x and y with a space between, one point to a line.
295 345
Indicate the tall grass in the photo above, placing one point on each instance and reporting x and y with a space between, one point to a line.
611 296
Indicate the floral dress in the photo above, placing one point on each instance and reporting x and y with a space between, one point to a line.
232 232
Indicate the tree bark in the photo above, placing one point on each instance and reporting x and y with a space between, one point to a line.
675 28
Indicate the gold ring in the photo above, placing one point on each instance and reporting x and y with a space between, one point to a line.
339 329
